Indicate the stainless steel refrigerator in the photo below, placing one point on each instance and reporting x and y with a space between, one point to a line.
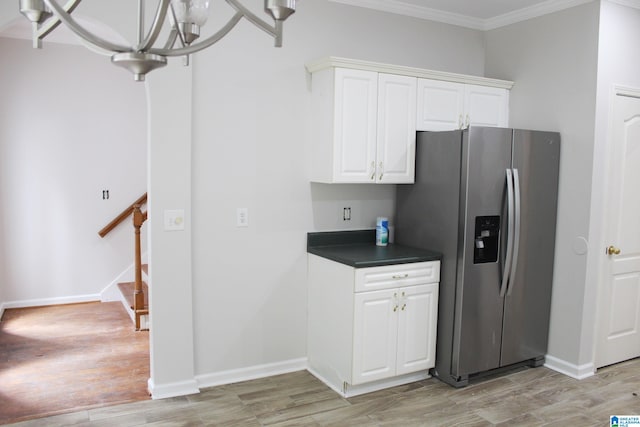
486 198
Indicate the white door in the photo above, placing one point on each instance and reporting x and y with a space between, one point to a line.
374 335
619 319
356 106
486 106
440 105
396 134
417 328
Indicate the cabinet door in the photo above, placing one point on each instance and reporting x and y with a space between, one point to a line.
486 106
374 335
417 328
440 105
356 102
396 133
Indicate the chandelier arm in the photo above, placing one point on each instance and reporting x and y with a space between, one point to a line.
251 17
171 40
52 23
188 50
174 34
77 29
156 27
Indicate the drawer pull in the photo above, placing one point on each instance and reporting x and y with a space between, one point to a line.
400 276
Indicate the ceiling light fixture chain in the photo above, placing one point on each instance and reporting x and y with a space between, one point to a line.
186 17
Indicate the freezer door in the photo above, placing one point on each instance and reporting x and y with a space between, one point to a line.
536 157
479 308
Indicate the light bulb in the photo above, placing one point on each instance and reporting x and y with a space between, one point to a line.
191 11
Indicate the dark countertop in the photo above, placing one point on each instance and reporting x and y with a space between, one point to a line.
358 249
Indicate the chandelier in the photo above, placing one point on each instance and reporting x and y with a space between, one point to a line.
186 17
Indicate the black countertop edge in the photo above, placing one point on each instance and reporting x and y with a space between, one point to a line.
358 249
332 238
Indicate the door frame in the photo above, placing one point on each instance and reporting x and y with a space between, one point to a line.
616 91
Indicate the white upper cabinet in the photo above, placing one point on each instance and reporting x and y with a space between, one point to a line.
444 105
396 134
365 116
486 106
355 112
440 105
363 127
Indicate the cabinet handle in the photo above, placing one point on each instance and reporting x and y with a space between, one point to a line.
381 171
373 171
468 122
460 122
404 306
400 276
395 308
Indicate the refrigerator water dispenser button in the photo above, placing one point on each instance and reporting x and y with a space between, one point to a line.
487 233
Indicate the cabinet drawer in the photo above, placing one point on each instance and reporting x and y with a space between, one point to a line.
394 276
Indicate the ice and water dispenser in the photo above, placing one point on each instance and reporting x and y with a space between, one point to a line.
487 237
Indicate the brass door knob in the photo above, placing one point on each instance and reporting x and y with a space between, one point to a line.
612 250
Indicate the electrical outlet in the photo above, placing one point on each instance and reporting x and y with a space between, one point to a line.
346 214
242 217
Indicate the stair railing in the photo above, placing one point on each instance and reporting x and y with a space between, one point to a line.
139 218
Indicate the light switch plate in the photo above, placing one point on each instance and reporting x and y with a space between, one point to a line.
174 220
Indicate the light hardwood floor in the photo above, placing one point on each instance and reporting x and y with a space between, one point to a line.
69 356
528 397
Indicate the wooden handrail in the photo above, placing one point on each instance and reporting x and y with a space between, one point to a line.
123 215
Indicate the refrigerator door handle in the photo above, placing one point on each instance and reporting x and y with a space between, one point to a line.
516 234
510 219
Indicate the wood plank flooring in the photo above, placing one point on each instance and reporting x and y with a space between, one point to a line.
74 360
529 397
69 357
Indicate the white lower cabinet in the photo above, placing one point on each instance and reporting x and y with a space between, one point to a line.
371 328
394 332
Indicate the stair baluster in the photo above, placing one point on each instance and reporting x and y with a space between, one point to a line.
138 294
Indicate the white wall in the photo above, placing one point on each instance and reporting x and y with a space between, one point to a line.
250 149
70 126
553 60
617 65
239 295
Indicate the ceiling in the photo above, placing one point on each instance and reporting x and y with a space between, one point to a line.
476 14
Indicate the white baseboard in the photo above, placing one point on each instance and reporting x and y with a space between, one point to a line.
181 388
50 301
578 372
111 291
251 373
356 390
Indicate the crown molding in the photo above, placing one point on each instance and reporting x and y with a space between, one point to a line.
401 8
630 3
544 8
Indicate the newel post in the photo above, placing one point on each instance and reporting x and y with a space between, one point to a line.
138 294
